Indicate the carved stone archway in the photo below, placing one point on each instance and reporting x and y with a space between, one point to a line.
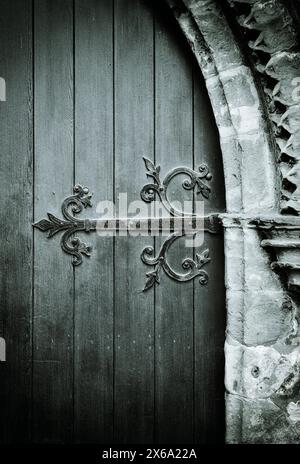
258 122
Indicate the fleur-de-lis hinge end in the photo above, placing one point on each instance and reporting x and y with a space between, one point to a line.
71 206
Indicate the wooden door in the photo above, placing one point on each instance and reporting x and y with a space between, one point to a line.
92 87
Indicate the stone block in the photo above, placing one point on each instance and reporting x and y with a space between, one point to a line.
258 422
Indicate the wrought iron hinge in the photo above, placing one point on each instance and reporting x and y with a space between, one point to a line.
70 225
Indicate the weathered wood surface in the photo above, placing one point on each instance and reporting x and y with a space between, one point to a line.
134 310
94 296
174 301
16 180
91 358
53 317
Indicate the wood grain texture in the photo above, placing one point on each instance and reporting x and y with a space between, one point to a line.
174 301
209 301
94 297
16 177
134 311
54 292
91 358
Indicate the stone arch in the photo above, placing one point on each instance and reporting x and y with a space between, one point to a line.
262 344
237 107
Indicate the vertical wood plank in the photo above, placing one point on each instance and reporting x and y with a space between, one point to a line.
209 301
94 169
174 301
189 342
53 301
16 218
134 324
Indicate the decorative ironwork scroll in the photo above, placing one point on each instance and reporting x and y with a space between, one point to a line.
70 224
193 268
160 188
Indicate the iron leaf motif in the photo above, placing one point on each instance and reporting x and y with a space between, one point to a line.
153 279
52 226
